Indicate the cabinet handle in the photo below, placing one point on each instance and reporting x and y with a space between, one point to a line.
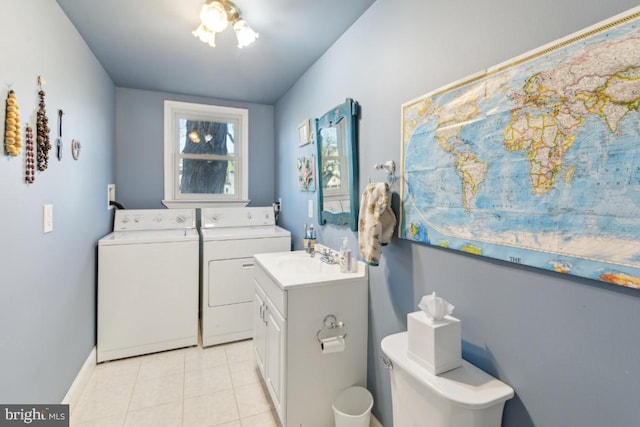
266 318
247 266
262 312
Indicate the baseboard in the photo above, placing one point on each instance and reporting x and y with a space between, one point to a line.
81 380
373 422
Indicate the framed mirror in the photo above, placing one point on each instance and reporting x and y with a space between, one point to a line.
336 137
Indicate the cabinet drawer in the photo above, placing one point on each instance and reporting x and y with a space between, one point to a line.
277 296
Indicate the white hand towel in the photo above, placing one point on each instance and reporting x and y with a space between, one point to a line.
376 221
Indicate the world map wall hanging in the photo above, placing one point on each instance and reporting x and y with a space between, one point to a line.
535 161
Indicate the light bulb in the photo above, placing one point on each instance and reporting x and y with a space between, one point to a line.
194 137
244 33
205 35
214 16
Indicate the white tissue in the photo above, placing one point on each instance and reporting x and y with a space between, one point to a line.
332 345
435 307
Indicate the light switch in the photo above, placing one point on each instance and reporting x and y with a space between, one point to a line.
310 213
47 218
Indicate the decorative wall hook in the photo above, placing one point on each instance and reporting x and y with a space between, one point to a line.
75 149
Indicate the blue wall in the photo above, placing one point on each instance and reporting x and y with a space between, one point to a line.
568 346
140 147
47 281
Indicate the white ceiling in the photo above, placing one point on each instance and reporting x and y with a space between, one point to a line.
147 44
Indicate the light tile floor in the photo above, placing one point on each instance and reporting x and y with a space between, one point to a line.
199 387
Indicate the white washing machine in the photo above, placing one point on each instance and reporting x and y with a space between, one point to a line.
148 271
230 237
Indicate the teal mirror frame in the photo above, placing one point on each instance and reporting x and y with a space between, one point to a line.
348 111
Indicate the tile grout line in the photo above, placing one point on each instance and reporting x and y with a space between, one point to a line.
133 389
233 386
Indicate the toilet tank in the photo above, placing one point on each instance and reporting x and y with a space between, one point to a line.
463 397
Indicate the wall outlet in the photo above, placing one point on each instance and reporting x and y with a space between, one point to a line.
277 206
47 218
111 195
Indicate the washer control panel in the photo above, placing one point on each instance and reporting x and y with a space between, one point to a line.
154 219
237 217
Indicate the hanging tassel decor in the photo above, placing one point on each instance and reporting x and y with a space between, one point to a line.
30 172
42 131
12 138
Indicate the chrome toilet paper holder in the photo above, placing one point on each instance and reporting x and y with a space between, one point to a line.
331 328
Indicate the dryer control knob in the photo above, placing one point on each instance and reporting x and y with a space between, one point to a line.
158 219
125 219
180 219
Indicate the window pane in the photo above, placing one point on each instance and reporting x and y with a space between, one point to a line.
329 141
203 137
207 176
331 172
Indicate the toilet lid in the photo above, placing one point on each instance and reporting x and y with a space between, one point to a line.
468 385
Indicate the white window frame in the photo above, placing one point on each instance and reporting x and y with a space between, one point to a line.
341 192
176 110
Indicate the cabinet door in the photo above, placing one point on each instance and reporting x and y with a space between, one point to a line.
275 363
259 327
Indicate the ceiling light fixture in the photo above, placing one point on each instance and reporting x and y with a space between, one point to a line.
215 17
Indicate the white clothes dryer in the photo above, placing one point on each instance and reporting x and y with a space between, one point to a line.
148 283
230 238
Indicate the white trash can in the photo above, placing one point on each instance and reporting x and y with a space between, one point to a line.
352 407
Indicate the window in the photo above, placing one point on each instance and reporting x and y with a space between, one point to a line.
205 155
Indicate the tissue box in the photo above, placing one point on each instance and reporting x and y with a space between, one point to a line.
436 345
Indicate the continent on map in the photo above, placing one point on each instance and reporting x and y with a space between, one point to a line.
472 173
604 81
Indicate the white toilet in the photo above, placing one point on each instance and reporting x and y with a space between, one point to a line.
463 397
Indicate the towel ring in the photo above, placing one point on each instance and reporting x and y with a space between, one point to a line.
390 167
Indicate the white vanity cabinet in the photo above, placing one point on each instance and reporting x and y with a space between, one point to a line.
294 294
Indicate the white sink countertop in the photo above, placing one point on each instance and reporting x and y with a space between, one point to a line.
298 268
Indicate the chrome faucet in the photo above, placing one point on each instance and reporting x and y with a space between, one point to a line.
328 256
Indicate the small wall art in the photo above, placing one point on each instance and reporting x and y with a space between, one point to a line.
306 173
304 133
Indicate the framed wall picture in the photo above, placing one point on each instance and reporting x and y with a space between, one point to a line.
304 133
306 173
